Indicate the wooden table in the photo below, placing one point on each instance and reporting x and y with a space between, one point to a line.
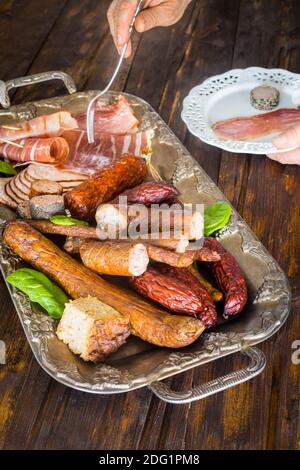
215 35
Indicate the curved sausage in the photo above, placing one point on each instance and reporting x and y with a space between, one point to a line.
230 279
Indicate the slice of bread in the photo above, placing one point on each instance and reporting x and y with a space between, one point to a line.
92 329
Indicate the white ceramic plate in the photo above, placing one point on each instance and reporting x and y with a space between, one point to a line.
227 95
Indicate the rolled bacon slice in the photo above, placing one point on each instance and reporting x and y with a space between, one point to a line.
51 125
88 158
116 118
251 127
52 150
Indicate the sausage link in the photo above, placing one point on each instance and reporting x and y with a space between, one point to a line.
162 255
126 219
113 258
180 260
106 184
179 293
209 314
151 192
230 279
79 231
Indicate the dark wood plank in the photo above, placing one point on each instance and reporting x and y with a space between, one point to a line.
86 51
71 45
25 25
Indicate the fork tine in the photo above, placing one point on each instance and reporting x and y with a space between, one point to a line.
13 128
11 143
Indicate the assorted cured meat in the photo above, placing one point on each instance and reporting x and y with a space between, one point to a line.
74 189
116 132
251 127
146 320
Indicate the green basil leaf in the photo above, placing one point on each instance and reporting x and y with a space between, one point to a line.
6 168
64 220
40 290
216 216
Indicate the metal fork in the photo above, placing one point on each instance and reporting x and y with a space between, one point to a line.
91 107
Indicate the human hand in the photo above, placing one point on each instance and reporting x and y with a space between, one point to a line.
154 13
286 140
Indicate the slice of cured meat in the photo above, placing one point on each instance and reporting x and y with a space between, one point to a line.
88 158
50 125
251 127
115 118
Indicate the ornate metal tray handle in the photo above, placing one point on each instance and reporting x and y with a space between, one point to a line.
256 366
5 87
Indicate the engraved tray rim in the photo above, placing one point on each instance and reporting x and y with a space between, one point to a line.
39 328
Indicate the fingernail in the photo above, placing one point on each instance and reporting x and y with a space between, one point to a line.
280 140
120 49
141 25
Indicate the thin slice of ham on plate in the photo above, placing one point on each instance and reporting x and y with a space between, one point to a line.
259 125
49 150
88 158
50 125
115 118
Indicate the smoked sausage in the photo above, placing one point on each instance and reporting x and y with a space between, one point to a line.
113 258
151 192
178 290
229 277
105 185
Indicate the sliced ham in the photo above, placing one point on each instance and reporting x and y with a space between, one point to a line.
51 150
89 158
116 118
16 189
251 127
51 125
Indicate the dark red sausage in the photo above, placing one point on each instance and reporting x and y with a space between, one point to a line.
151 192
230 278
178 290
208 314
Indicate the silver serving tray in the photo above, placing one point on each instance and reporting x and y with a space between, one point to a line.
138 364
